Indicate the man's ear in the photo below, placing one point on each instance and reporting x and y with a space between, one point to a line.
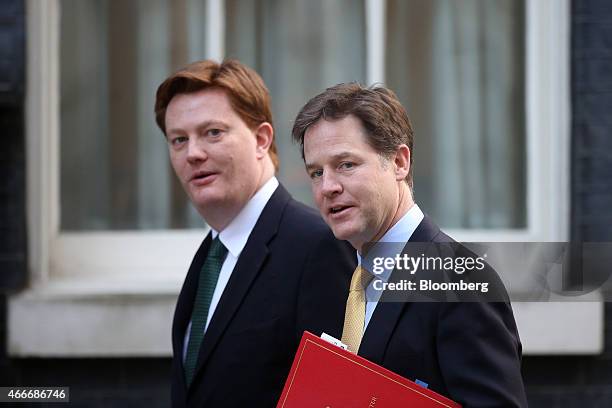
401 162
264 135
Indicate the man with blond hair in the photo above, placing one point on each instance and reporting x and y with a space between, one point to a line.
357 144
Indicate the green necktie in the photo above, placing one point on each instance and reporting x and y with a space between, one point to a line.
206 287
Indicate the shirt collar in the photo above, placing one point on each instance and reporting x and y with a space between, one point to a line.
398 234
237 232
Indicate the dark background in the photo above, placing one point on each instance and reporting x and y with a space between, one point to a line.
551 381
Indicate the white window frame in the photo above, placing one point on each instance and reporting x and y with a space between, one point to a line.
547 116
130 279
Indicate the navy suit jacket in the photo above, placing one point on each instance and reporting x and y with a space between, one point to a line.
467 351
291 276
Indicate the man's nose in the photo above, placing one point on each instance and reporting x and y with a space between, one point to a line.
330 185
195 151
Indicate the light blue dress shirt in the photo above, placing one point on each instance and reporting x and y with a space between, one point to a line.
399 233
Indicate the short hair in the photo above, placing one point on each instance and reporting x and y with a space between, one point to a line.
247 92
382 115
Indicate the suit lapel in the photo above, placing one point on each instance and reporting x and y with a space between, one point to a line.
246 270
425 232
379 330
387 314
184 305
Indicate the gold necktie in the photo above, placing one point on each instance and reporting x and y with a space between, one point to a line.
354 318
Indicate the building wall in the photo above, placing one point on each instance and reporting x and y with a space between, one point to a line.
12 160
550 381
585 381
93 382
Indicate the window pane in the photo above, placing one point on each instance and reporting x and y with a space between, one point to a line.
458 67
299 48
115 172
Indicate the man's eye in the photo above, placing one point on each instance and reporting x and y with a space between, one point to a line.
316 174
214 132
178 140
347 165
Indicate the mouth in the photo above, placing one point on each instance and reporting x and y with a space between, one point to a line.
203 177
339 210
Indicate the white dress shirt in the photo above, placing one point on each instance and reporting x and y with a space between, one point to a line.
399 233
234 237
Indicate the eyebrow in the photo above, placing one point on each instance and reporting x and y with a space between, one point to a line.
200 126
209 123
335 157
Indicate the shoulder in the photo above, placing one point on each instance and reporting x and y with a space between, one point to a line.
304 221
302 227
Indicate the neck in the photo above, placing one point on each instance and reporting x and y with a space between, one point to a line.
404 203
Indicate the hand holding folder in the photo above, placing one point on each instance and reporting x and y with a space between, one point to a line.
325 375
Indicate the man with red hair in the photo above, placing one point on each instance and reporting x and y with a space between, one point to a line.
262 275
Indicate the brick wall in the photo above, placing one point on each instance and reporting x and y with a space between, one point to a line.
97 382
12 163
12 160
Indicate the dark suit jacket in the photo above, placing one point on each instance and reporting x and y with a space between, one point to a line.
467 351
291 276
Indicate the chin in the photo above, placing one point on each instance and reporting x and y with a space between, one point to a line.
342 233
207 200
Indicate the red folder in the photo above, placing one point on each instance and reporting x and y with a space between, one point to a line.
325 375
